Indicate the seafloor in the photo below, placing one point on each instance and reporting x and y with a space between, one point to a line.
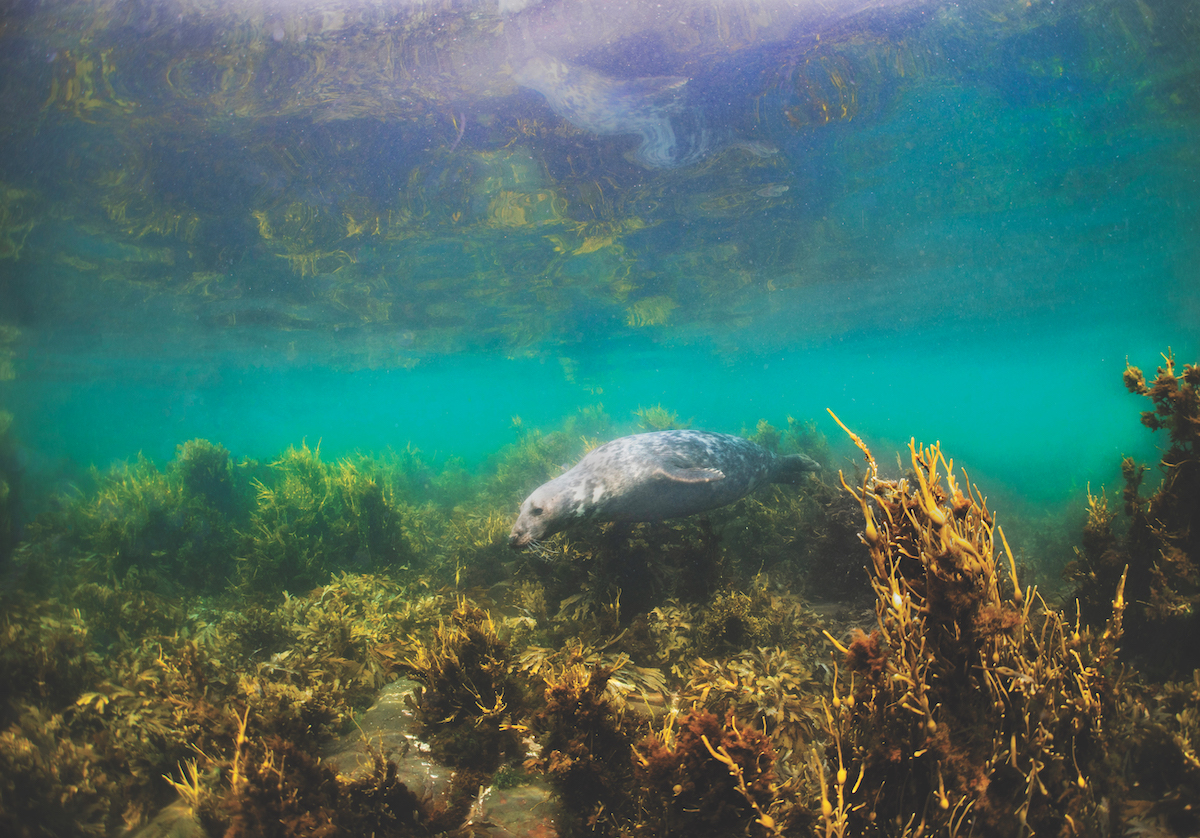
351 647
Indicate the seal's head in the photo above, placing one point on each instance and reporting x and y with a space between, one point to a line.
539 517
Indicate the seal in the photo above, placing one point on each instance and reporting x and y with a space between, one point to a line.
652 477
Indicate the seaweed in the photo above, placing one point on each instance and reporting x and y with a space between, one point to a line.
52 784
801 436
775 690
584 750
535 457
351 634
206 470
1154 541
733 620
652 701
700 775
472 548
142 527
142 521
835 559
276 790
46 657
658 418
468 696
312 519
1161 755
129 701
772 531
971 706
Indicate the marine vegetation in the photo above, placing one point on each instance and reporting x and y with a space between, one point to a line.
1156 542
800 437
312 518
736 620
278 790
660 679
774 690
206 470
704 776
469 695
658 418
583 745
162 530
95 719
537 456
810 538
971 707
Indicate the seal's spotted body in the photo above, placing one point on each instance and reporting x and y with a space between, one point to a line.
651 477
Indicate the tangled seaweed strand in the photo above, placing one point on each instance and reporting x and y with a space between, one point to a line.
702 776
585 749
972 708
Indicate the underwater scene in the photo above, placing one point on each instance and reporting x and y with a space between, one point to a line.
580 418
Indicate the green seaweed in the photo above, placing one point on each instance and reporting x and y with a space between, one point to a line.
313 518
658 418
142 527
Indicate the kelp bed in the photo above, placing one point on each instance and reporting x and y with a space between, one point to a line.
197 631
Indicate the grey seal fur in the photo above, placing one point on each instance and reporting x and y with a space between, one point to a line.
652 477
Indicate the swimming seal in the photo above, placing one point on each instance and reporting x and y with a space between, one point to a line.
652 477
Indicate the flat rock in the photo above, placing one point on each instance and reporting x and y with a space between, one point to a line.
390 724
525 810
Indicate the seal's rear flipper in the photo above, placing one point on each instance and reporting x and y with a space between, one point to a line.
792 468
691 475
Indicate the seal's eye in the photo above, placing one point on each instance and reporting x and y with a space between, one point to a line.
537 510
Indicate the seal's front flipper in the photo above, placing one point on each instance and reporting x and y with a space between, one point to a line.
691 475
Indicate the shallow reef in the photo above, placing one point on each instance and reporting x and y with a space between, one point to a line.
853 656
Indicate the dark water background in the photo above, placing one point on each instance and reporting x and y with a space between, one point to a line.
989 207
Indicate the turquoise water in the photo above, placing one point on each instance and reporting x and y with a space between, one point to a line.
941 222
1014 425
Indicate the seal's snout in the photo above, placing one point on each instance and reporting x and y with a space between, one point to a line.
520 536
531 523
